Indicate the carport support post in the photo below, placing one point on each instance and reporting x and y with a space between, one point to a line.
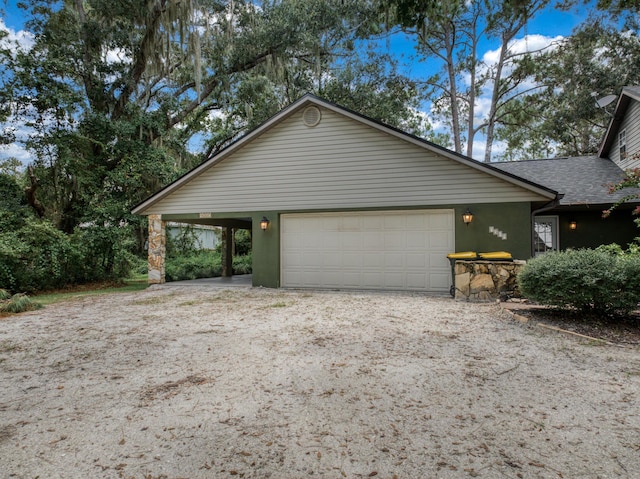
157 249
227 252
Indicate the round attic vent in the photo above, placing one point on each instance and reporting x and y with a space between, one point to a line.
311 116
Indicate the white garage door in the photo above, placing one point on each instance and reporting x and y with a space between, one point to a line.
396 250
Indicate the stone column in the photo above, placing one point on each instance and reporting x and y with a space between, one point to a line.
157 249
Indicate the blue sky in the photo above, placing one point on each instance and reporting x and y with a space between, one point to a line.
548 25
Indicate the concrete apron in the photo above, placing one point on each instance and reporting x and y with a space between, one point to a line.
238 281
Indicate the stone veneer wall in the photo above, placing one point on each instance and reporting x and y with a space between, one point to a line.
157 249
486 280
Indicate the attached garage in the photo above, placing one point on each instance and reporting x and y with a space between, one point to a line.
392 250
337 200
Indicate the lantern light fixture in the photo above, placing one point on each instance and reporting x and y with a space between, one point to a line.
467 217
573 225
264 224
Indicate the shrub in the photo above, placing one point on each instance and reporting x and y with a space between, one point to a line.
105 252
242 264
36 257
18 303
202 264
596 281
243 242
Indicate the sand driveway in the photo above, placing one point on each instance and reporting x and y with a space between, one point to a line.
190 382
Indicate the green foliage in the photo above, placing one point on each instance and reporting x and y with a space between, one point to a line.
105 251
203 264
242 264
631 183
184 243
599 281
18 303
4 294
243 242
13 204
565 121
35 257
616 249
38 257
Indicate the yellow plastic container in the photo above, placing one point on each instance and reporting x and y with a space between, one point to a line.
463 255
496 255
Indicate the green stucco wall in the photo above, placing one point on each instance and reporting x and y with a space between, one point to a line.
593 230
514 219
266 250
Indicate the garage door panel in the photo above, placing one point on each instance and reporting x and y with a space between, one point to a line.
416 222
438 262
393 261
372 223
372 240
352 279
372 260
394 280
442 221
439 240
400 250
331 260
351 260
417 280
417 261
394 240
416 240
440 281
351 241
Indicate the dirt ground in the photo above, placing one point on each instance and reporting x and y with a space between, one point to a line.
188 382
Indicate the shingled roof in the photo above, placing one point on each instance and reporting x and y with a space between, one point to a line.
583 180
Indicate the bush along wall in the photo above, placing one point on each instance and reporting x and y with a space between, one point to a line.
604 281
203 264
38 257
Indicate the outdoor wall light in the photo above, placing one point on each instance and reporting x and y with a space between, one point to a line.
264 224
573 225
467 217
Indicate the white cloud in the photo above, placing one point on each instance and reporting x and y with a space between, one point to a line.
14 150
480 146
530 43
21 39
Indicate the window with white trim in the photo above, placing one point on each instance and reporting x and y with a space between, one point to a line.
545 234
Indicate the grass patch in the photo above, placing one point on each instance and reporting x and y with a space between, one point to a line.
278 305
18 303
137 283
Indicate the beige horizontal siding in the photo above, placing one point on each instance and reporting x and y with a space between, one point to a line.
341 163
631 124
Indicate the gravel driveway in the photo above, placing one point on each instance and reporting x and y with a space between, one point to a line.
189 382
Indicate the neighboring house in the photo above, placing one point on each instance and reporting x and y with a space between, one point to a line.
583 183
351 203
204 236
